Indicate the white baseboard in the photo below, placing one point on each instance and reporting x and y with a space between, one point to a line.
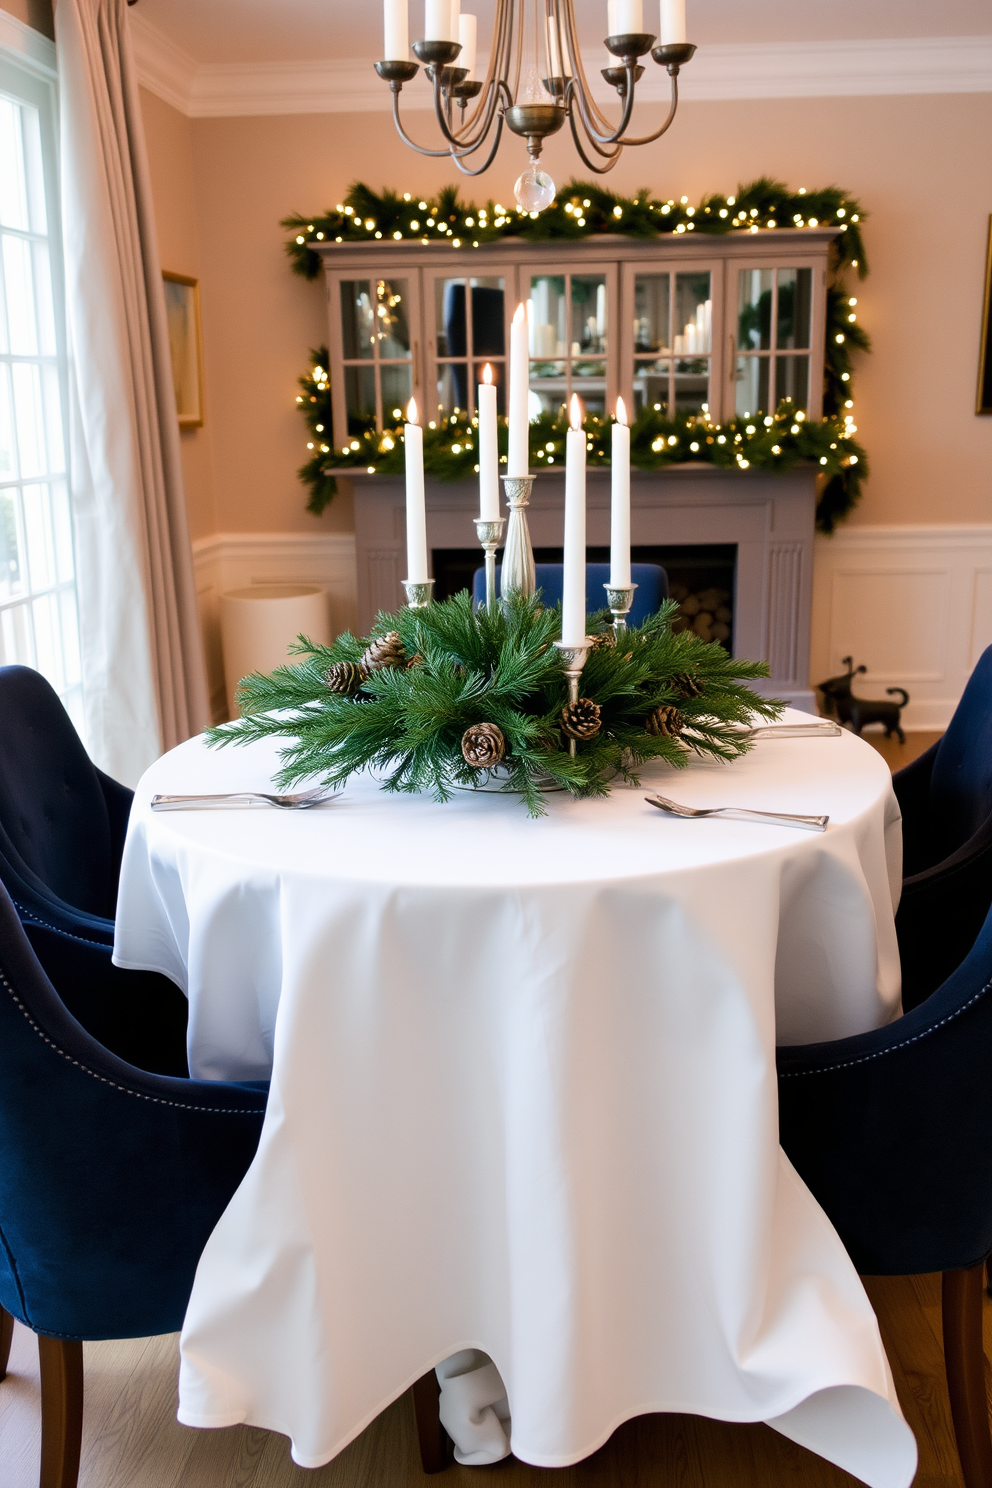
912 604
235 560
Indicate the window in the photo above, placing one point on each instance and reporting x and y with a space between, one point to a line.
568 340
672 368
774 317
39 624
469 331
378 358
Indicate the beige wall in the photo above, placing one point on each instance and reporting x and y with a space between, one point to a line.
919 164
36 13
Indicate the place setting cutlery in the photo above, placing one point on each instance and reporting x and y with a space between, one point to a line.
825 729
740 813
300 801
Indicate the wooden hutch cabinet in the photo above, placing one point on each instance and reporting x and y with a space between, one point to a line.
685 323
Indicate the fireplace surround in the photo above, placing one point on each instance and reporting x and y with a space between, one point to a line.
768 519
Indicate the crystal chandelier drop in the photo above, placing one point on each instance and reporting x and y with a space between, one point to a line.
534 82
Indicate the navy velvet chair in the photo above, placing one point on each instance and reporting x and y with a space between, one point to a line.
892 1132
650 578
111 1180
946 801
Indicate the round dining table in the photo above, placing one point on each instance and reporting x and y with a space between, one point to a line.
522 1122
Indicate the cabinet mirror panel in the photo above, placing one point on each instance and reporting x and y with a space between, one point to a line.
774 329
569 340
672 370
469 331
377 353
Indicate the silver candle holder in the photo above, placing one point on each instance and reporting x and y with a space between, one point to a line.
573 659
619 597
490 536
518 576
419 593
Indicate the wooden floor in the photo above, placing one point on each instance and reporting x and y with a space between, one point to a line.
131 1438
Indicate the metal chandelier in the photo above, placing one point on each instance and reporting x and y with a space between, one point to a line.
534 83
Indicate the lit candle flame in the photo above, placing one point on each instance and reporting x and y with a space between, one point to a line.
575 412
411 411
621 412
487 373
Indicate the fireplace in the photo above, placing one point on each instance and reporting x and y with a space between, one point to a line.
737 541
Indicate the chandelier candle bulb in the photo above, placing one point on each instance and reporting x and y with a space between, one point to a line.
620 500
628 18
453 25
396 47
488 448
437 20
672 22
518 454
416 509
573 605
467 27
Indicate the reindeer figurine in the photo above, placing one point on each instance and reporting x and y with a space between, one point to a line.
856 711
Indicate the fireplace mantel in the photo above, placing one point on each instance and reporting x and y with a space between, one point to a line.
768 517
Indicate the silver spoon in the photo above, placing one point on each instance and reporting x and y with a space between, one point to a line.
773 818
301 801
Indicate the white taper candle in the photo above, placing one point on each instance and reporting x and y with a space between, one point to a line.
416 509
518 454
467 26
672 21
629 17
395 19
488 450
437 20
620 500
573 601
456 10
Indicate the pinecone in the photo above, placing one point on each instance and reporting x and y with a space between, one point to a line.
345 677
483 746
415 661
687 685
385 651
581 720
664 722
602 638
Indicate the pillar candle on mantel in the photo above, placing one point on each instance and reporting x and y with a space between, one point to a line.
488 449
416 509
672 22
518 454
573 601
395 19
620 501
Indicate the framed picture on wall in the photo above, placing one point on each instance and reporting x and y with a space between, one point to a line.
984 404
182 309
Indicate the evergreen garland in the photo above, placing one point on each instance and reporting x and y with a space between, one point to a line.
581 210
458 670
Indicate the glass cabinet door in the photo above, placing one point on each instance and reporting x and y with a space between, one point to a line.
469 331
376 352
570 338
774 339
672 341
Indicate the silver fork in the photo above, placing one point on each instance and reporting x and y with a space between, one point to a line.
793 730
773 818
301 801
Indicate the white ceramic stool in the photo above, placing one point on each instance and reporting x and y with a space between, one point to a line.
259 624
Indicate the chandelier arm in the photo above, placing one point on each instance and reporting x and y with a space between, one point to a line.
596 137
465 143
579 82
489 158
420 149
612 159
647 139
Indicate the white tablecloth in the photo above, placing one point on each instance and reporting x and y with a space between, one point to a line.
524 1098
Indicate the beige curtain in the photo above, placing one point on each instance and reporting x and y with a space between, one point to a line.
143 673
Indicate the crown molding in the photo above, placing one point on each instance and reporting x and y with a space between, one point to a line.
27 44
821 69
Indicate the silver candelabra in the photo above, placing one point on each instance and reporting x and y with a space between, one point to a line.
518 576
619 597
490 535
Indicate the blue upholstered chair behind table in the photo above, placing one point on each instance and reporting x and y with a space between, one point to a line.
892 1132
111 1180
946 800
650 578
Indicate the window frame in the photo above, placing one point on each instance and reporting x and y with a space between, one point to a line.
817 329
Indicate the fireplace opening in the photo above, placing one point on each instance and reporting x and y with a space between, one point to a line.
701 577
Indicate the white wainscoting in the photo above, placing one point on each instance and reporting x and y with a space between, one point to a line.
913 604
234 560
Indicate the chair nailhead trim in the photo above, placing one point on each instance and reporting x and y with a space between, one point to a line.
35 919
829 1069
155 1100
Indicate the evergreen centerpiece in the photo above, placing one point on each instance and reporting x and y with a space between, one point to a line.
439 697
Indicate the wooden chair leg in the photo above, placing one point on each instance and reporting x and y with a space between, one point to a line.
988 1276
964 1361
6 1334
61 1410
431 1435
